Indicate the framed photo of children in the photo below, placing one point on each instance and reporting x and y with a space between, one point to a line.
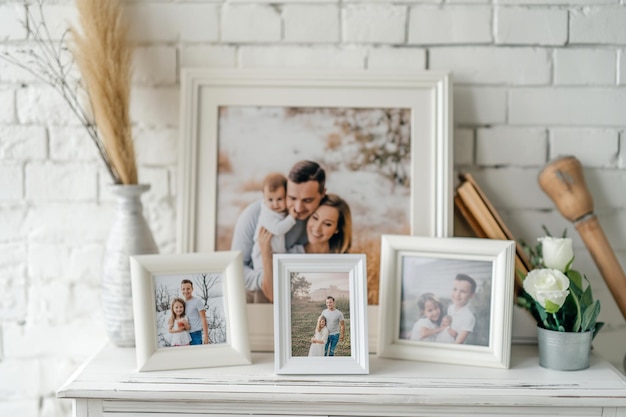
446 300
320 314
269 148
189 311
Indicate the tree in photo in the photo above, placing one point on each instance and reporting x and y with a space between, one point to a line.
163 298
300 286
208 288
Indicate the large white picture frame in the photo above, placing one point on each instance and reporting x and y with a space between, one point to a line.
340 277
207 94
446 300
220 272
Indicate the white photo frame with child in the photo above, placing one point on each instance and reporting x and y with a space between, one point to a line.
189 311
306 288
238 125
446 300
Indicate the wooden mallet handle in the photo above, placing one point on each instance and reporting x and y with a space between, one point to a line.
563 181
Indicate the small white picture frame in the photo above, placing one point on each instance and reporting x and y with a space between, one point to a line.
296 313
217 280
469 280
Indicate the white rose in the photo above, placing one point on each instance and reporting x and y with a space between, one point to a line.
549 287
556 252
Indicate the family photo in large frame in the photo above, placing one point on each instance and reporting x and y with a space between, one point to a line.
383 142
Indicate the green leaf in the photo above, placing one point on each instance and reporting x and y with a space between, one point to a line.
577 317
521 301
587 298
542 313
575 278
589 317
599 325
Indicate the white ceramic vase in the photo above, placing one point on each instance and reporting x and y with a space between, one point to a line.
564 351
129 235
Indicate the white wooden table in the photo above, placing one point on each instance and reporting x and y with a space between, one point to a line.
108 385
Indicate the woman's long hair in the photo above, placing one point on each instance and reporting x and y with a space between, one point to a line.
318 328
341 241
178 300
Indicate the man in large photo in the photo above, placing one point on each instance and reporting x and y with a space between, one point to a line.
306 186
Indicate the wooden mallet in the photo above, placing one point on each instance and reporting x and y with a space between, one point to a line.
563 181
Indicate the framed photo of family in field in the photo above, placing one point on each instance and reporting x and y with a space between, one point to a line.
447 300
379 144
320 314
189 311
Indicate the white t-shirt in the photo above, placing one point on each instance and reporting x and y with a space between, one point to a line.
332 320
192 311
444 336
420 324
277 224
463 319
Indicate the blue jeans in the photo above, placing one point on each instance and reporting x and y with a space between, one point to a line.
196 337
331 344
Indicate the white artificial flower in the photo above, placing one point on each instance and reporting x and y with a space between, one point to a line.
556 252
549 287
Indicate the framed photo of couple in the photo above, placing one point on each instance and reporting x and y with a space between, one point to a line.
189 311
320 314
383 141
447 300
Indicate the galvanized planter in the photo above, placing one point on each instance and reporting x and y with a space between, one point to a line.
130 235
564 351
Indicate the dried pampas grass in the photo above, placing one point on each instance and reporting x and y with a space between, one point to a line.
104 59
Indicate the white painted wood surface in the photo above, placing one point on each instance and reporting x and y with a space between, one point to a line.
110 383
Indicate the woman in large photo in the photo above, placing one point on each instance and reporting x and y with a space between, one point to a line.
328 230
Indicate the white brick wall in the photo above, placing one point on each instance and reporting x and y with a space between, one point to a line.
374 24
489 65
22 142
450 25
222 56
311 23
511 146
533 79
537 26
349 57
250 23
7 105
573 141
584 66
10 27
567 106
480 105
389 59
170 22
598 25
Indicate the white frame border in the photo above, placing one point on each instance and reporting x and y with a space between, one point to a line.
149 357
502 255
355 265
205 90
